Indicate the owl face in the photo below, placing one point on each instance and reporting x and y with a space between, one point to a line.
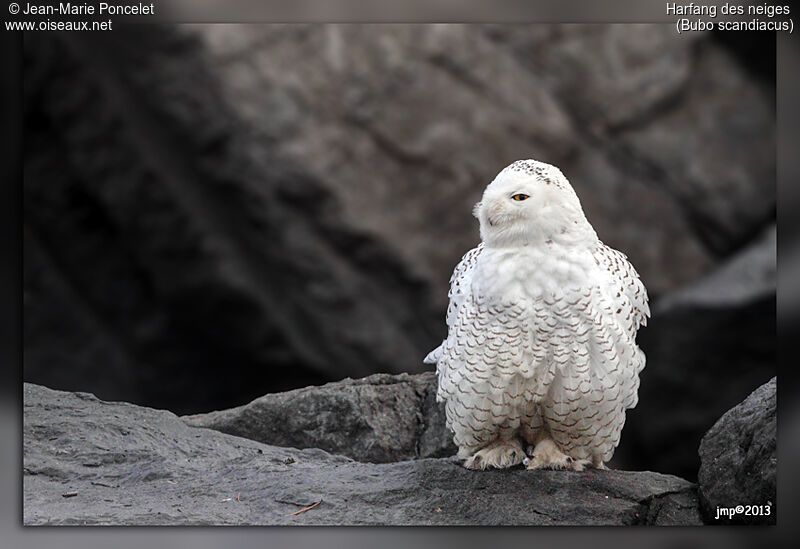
529 202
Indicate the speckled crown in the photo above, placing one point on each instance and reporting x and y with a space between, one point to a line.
547 173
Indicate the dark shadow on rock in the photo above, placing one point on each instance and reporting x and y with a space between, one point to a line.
159 250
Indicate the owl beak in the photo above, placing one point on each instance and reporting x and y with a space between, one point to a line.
491 216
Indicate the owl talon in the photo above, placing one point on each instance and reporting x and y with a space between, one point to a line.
500 454
547 455
579 465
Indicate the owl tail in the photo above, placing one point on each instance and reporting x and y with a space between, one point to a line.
434 356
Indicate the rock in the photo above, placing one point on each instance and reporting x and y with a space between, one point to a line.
748 276
707 345
726 204
455 88
380 418
225 259
129 465
650 102
739 462
253 209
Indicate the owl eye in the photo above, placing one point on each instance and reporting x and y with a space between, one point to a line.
520 196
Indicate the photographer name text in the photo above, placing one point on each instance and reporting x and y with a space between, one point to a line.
103 8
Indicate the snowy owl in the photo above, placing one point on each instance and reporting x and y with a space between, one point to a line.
542 324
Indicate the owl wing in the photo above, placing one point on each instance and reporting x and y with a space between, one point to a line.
594 362
624 286
460 282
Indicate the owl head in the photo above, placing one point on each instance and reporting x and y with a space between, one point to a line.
530 203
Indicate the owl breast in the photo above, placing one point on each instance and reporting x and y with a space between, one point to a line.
518 275
536 343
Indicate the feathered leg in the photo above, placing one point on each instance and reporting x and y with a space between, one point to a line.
546 455
500 454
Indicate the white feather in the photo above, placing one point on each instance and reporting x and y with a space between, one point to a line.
541 323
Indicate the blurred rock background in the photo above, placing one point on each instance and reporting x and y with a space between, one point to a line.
217 212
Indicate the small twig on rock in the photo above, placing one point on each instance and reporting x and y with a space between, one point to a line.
306 509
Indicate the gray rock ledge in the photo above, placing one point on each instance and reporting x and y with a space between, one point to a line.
379 418
92 462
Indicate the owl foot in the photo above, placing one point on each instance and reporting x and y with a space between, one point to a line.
546 455
499 454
